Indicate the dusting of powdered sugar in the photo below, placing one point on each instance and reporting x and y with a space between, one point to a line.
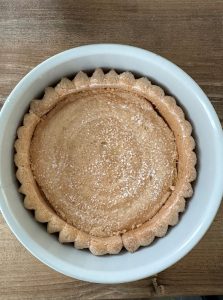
104 160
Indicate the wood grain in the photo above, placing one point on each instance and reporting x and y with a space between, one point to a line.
189 33
23 277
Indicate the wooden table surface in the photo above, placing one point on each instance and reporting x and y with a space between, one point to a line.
189 33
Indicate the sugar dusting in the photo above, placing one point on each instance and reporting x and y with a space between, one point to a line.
104 160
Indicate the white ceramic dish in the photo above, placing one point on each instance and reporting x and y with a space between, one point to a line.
201 208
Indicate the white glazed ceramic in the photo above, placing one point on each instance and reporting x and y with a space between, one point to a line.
201 208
